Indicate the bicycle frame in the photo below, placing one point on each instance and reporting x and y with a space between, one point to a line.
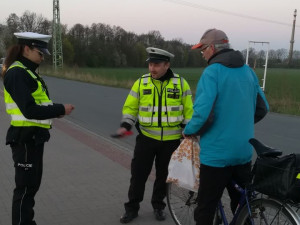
247 196
244 199
253 207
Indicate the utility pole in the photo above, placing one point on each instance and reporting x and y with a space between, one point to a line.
57 43
292 39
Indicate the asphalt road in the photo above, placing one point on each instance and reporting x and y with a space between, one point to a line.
98 109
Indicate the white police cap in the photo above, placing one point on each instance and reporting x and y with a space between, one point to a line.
158 55
36 40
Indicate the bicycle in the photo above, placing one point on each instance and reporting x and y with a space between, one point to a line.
254 208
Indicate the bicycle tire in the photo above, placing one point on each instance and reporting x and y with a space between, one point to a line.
266 212
181 203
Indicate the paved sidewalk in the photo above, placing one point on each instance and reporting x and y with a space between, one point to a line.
85 179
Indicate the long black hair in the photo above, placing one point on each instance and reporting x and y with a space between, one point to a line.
13 54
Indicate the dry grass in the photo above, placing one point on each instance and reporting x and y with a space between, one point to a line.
284 105
87 77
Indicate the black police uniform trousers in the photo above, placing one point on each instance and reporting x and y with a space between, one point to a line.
146 151
213 181
28 162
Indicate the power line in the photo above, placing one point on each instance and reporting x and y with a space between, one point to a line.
198 6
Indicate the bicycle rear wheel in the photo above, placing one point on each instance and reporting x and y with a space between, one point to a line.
181 203
266 212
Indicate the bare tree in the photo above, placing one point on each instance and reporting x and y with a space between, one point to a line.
13 22
261 57
2 44
34 23
281 54
296 55
155 38
251 57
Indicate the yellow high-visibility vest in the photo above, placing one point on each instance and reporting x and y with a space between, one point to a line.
40 97
159 107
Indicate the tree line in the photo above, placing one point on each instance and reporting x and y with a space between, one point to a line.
103 45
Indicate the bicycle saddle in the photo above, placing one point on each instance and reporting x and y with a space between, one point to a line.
264 150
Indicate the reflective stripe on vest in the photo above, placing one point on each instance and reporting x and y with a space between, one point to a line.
134 94
22 118
186 93
129 119
158 132
163 119
14 105
145 80
186 121
163 108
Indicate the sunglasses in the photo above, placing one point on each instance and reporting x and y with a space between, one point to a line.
203 50
40 53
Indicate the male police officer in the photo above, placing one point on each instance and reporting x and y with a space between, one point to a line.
159 104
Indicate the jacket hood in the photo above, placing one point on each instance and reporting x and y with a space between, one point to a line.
228 58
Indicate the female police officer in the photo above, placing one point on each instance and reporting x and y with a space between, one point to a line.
27 102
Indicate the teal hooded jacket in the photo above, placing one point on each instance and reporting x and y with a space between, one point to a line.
228 102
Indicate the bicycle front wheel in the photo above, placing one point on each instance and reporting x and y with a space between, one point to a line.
266 212
181 203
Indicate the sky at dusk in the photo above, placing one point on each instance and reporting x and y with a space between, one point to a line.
242 20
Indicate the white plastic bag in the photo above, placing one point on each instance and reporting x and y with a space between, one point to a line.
184 166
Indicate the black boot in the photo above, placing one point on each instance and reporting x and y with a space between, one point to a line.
128 216
159 214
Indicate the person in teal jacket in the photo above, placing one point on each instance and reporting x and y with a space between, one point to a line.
228 102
